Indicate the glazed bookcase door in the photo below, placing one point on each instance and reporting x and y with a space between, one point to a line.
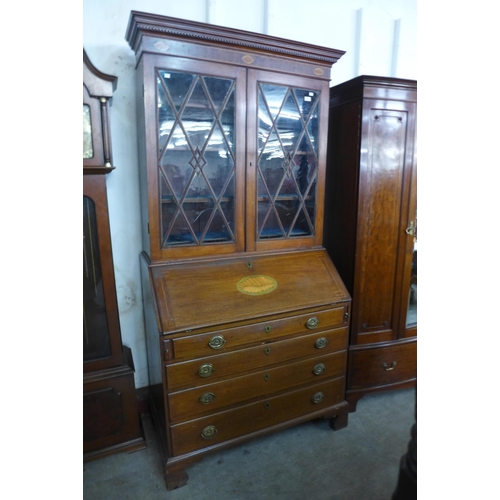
102 346
96 341
286 161
197 112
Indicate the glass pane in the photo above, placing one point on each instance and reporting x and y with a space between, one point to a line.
88 151
95 323
287 161
411 316
196 121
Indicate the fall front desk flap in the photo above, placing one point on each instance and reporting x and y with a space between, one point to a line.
202 293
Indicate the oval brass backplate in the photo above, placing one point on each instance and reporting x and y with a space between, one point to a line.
312 323
217 342
206 398
317 398
319 369
206 370
209 432
320 343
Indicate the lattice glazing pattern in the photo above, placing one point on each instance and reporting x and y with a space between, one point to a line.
287 161
196 159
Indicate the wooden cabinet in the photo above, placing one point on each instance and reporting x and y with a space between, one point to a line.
246 316
371 226
110 417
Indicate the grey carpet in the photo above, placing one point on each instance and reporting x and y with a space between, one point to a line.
309 461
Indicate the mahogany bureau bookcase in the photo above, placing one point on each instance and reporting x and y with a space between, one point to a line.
371 227
246 316
110 415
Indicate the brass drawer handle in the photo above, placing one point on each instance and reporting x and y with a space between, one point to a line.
317 398
206 398
267 351
206 370
319 369
389 368
217 342
267 329
312 323
320 343
209 432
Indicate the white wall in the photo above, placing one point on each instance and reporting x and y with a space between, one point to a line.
379 37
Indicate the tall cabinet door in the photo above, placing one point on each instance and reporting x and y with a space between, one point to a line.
286 160
385 198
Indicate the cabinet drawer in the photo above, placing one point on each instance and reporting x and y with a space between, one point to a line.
206 431
375 366
223 340
187 374
202 400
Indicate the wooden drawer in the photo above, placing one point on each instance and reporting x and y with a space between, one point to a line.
187 437
198 345
375 366
194 373
203 400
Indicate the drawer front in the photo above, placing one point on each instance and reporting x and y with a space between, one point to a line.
187 374
207 344
372 367
206 431
207 399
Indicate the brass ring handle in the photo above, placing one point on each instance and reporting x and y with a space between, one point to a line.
209 432
217 342
319 369
320 343
206 398
267 351
389 368
312 322
206 370
317 398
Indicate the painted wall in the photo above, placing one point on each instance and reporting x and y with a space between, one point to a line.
379 37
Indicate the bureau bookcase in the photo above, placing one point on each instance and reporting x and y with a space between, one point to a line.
246 316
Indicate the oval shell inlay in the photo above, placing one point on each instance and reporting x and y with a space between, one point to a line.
318 71
247 59
256 285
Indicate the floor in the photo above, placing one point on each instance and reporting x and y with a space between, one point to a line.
309 461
